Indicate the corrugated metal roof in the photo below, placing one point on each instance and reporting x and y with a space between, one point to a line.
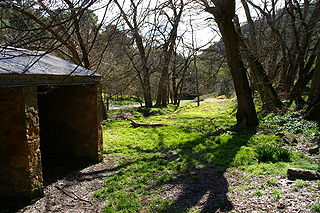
26 62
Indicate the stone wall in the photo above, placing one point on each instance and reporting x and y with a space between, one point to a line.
20 161
70 121
69 129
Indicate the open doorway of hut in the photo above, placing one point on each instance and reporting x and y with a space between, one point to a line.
63 130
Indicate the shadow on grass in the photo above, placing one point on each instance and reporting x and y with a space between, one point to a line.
198 165
206 187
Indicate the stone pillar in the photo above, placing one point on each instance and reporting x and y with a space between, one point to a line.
20 161
85 127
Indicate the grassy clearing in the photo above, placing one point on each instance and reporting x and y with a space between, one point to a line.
147 157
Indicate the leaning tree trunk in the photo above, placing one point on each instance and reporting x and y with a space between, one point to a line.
223 12
296 92
313 111
259 77
315 83
305 75
168 49
269 97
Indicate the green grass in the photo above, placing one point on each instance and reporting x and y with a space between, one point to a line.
315 207
147 157
271 153
300 183
122 103
271 182
258 193
123 202
276 194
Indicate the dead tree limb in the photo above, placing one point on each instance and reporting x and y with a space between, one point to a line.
136 124
304 174
72 195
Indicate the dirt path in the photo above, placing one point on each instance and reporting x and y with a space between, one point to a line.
74 193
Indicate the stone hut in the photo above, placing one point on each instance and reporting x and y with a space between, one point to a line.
50 115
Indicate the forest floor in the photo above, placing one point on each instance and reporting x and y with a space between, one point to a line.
198 162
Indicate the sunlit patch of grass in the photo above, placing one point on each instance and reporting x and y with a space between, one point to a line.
273 169
301 183
158 204
258 193
124 102
244 157
123 202
276 194
270 182
149 157
242 188
271 153
304 163
315 207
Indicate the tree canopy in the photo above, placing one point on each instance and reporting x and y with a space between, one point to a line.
151 49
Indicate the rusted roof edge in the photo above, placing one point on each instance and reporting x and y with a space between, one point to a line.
17 80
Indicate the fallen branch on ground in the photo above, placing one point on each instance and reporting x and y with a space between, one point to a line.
136 124
304 174
72 195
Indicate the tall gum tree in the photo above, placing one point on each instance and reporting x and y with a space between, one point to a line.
259 76
224 12
294 31
143 69
167 52
313 111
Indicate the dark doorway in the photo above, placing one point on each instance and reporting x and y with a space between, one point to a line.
68 129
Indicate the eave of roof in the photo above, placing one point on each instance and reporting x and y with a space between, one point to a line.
20 67
18 80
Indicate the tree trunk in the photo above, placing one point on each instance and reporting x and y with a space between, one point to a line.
147 93
259 77
269 97
174 81
305 76
315 83
144 72
313 111
162 95
168 49
180 84
104 111
303 174
283 85
224 13
197 79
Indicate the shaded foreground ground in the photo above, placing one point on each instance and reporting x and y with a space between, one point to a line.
202 190
189 166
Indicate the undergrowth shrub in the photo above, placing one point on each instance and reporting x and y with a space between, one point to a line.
315 207
244 156
272 153
290 122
